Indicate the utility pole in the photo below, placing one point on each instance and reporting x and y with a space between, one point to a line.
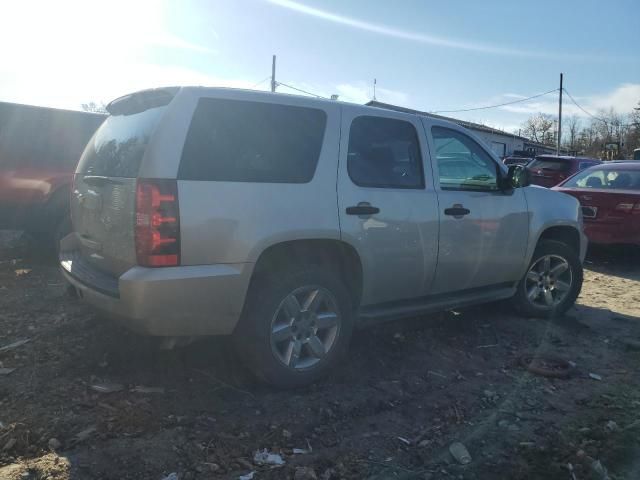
273 74
374 89
559 118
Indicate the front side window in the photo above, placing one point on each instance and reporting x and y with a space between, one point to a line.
243 141
384 153
462 163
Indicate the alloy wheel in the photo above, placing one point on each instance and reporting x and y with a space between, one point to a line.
548 281
305 327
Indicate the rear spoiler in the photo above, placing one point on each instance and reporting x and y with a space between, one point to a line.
140 101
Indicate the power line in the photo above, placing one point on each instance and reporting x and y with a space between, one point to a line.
580 107
498 105
261 82
300 90
606 122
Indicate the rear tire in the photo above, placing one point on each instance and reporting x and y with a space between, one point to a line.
296 326
552 282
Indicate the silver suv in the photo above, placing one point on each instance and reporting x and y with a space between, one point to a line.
287 221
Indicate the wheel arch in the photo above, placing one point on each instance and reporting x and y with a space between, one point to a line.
337 255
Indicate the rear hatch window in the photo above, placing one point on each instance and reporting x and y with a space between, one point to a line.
117 147
549 164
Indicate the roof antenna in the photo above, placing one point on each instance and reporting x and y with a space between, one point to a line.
374 89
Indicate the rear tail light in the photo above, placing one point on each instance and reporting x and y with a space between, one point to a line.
157 228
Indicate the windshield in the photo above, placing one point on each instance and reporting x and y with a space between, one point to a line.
606 179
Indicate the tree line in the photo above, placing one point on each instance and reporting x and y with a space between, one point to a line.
607 135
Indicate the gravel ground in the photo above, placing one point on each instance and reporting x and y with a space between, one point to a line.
85 399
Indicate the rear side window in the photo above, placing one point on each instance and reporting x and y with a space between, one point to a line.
117 147
241 141
384 153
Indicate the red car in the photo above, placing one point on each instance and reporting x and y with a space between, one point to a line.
610 197
549 170
39 150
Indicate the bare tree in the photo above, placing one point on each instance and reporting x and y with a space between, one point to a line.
93 107
538 128
573 126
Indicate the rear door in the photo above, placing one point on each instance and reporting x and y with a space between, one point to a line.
387 205
483 231
104 194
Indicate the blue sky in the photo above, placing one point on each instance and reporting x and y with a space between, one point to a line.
429 55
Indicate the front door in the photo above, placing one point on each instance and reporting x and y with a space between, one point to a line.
483 230
387 205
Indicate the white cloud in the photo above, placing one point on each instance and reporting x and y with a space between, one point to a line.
447 42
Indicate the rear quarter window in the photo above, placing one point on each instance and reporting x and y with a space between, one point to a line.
244 141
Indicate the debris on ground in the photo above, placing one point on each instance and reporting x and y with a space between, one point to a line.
595 376
303 451
143 389
248 476
460 453
6 371
267 458
546 365
16 344
171 476
107 387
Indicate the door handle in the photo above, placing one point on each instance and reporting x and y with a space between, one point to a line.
457 211
363 209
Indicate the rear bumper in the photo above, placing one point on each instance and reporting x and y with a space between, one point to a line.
175 301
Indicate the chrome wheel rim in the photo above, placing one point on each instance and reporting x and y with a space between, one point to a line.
548 281
305 327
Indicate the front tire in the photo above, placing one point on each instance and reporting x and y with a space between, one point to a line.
552 282
296 326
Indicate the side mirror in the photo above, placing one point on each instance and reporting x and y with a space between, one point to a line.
517 177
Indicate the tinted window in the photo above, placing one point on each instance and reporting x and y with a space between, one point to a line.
462 163
384 153
238 141
549 164
117 147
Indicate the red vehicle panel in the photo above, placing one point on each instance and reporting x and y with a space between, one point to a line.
549 170
610 198
39 150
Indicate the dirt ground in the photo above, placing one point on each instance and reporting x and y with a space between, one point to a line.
405 393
